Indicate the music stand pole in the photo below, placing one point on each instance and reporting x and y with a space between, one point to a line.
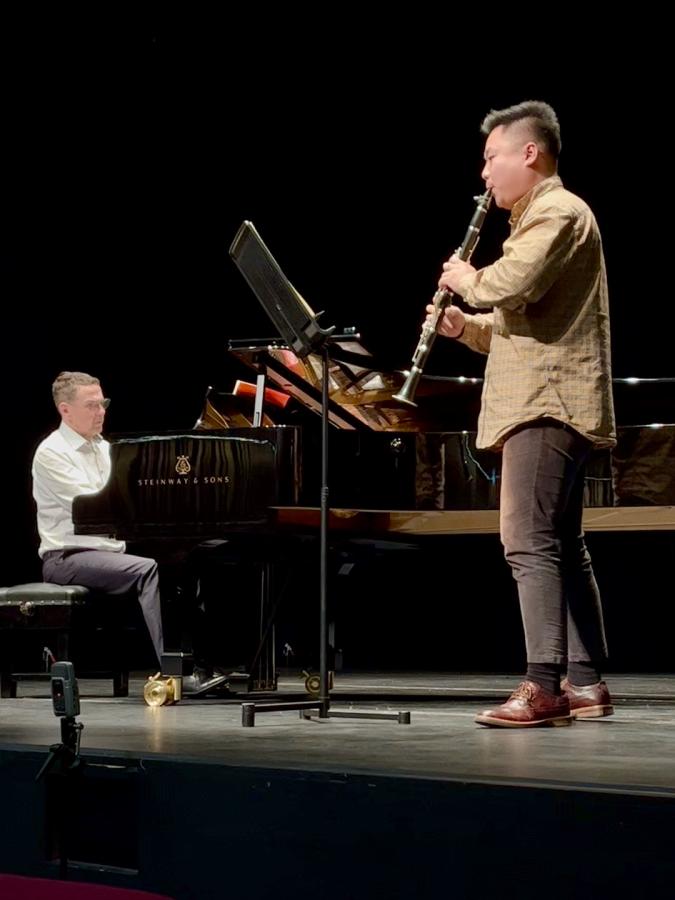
322 704
324 696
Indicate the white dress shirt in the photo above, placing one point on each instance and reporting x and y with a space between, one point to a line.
65 465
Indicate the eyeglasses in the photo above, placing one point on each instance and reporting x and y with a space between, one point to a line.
93 405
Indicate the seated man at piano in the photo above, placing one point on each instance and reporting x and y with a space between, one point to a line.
75 459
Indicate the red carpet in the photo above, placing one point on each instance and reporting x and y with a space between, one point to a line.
19 887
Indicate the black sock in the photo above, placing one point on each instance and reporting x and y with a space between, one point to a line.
583 673
547 675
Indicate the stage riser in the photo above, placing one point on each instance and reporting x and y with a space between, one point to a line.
199 830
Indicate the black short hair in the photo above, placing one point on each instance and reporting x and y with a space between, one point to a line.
540 117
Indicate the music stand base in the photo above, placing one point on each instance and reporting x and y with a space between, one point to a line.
320 708
249 710
402 717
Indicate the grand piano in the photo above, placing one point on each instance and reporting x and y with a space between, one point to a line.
394 473
418 471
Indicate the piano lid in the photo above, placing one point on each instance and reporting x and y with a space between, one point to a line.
361 392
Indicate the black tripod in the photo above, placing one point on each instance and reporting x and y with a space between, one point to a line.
62 770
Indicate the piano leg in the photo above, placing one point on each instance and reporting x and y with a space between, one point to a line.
220 602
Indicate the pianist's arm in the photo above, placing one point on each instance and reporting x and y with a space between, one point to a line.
60 479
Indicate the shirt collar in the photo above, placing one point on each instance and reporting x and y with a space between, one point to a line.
76 441
543 187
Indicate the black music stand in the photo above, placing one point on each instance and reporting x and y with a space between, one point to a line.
301 332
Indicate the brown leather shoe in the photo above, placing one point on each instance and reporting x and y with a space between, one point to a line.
529 705
591 702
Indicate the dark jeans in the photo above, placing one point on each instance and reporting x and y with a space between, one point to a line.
112 573
542 494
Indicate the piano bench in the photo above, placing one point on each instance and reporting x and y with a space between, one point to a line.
53 610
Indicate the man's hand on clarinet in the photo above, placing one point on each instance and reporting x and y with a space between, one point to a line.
451 323
453 271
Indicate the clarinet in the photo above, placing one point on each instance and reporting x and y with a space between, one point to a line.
442 298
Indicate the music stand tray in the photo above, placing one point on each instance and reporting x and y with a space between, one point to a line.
296 321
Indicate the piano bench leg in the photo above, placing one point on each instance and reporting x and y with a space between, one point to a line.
7 685
121 684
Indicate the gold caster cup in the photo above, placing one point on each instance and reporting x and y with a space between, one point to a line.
161 691
313 682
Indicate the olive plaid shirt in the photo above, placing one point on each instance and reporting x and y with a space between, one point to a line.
547 336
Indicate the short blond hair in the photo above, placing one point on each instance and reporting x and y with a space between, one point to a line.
66 384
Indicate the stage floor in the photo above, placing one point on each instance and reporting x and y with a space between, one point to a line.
632 751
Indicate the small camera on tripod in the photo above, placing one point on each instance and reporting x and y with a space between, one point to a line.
65 692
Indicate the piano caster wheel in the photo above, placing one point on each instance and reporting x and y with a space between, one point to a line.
313 683
159 691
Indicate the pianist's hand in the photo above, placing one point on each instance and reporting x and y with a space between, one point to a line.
451 323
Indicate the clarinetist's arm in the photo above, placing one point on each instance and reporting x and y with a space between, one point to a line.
477 333
534 257
473 330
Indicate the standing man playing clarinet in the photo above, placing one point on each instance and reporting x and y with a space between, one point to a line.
546 405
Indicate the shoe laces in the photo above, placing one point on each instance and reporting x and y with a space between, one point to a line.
524 691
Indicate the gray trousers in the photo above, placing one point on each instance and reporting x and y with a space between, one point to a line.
112 573
541 506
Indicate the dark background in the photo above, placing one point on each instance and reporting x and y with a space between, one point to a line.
134 149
